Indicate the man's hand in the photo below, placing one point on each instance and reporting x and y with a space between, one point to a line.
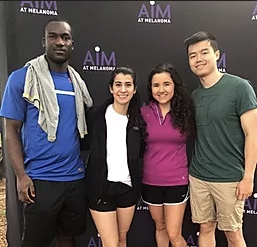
244 189
25 188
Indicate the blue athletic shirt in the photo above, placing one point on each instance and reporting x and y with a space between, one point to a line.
54 161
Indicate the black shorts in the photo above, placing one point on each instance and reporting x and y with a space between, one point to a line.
165 195
117 195
59 206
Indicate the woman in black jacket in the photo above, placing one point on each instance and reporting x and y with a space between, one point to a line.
113 176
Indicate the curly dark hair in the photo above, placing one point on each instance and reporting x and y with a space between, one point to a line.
134 112
182 108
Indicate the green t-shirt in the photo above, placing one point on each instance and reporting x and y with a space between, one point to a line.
219 147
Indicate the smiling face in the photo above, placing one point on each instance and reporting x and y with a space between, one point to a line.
122 89
202 58
162 88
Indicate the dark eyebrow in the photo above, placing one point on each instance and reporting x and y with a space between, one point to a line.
204 49
51 33
124 82
61 34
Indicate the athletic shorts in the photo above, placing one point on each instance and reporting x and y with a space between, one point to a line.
118 195
59 207
165 195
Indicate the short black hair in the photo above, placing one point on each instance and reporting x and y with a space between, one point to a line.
201 36
55 19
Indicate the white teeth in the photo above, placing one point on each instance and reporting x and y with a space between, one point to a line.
199 65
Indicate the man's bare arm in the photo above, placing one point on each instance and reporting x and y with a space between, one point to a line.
12 138
249 126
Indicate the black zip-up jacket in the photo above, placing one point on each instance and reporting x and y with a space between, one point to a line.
96 171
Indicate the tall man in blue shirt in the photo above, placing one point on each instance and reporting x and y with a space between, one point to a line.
45 151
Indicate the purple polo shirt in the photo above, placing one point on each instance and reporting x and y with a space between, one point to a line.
165 158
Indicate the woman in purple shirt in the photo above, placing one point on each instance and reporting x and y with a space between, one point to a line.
170 122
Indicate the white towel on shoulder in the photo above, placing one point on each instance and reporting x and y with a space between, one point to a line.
39 90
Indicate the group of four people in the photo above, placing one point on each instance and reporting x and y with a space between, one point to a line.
134 151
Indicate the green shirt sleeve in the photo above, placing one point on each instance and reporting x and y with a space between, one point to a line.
245 97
